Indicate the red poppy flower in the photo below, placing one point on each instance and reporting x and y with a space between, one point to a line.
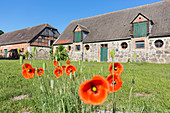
70 69
94 91
58 72
26 65
40 72
27 71
64 68
55 63
68 62
117 82
118 68
111 68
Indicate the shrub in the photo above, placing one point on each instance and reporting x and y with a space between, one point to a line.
128 60
27 54
51 53
86 59
61 53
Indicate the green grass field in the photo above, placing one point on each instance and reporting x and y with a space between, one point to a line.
151 91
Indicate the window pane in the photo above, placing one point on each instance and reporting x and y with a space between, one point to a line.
39 40
124 45
43 37
159 43
140 44
77 48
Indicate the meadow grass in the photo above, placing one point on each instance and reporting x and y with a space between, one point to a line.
151 91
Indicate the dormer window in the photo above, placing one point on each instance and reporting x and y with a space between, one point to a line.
77 36
141 26
79 33
140 29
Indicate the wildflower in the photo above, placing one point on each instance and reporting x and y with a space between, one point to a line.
68 62
40 72
64 68
117 82
118 68
26 65
94 91
58 71
70 69
55 63
27 71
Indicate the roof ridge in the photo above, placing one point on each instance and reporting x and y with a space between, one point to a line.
25 28
117 11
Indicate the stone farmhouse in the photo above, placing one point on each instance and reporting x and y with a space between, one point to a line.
41 36
143 30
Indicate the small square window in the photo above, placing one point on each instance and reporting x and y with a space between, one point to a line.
39 40
43 37
140 44
77 48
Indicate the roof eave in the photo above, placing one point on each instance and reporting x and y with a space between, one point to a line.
17 42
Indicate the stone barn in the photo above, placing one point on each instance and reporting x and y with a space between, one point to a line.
143 30
40 36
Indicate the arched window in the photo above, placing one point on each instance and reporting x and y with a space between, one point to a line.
159 43
69 48
87 47
124 45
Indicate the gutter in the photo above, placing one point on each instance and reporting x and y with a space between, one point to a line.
128 38
17 42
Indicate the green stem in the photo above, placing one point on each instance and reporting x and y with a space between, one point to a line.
114 94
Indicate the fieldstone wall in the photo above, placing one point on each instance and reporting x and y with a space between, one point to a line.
151 54
74 55
159 55
42 52
93 53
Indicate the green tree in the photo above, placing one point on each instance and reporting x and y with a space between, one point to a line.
61 53
1 32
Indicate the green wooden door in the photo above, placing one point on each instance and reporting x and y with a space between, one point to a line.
5 52
103 53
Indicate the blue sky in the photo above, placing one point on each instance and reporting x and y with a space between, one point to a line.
19 14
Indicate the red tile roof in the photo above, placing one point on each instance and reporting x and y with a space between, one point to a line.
62 41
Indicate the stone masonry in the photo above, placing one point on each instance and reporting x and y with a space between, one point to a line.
151 54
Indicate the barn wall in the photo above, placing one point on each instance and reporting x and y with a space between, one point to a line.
150 54
42 52
159 55
14 46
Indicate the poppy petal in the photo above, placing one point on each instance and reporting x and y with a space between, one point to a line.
68 62
28 74
64 68
94 91
26 65
117 85
58 71
99 97
55 63
39 72
119 68
70 69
